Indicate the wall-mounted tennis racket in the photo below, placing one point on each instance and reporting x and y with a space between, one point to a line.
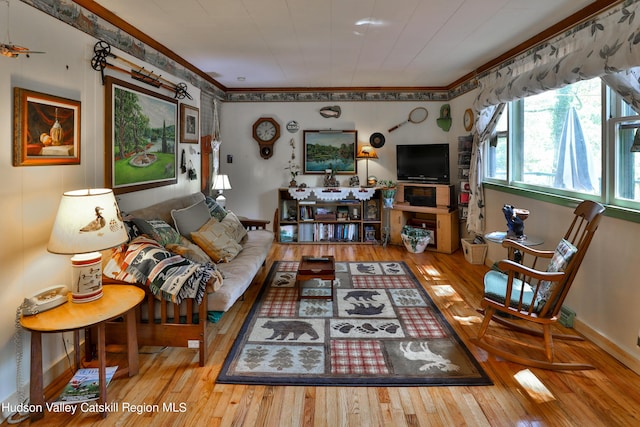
417 115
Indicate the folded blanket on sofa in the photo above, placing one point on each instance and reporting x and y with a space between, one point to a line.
168 276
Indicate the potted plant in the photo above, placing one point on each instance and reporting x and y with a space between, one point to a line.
415 239
293 167
388 188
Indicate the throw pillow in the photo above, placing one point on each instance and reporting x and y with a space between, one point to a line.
215 209
234 227
561 257
158 230
189 250
216 242
190 218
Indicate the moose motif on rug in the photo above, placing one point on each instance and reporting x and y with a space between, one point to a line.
425 354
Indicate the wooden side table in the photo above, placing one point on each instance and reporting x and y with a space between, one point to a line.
323 268
117 300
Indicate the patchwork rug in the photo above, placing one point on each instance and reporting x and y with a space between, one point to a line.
380 329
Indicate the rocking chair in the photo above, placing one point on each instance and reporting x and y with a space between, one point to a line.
531 296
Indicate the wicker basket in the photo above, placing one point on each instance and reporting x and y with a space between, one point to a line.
474 253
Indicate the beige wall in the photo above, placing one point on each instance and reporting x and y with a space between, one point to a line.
604 296
30 195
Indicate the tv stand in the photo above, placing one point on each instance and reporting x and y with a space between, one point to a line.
435 210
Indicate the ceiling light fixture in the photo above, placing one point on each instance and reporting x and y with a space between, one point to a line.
370 21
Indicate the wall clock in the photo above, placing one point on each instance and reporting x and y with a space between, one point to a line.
266 131
468 119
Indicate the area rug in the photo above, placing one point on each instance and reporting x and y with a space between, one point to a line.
380 329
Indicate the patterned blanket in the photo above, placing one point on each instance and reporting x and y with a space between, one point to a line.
168 276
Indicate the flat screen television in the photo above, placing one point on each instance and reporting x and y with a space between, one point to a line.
424 163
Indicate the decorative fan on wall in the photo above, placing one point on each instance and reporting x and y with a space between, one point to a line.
9 49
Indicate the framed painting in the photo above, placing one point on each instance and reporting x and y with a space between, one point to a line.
140 137
189 124
335 150
46 129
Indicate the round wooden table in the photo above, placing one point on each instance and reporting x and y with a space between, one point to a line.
117 300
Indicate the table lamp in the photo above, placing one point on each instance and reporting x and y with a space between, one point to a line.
87 222
367 152
220 184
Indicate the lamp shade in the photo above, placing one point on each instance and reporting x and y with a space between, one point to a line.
367 152
87 220
221 183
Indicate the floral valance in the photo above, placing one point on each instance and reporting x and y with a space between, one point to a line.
606 44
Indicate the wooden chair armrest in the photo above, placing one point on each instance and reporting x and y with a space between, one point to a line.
512 268
254 224
514 245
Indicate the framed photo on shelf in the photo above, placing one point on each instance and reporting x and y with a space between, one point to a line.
369 234
46 129
330 150
141 138
372 210
189 124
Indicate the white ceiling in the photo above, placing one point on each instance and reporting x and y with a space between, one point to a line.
318 43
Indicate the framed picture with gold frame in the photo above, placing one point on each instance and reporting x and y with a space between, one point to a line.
333 150
189 124
46 129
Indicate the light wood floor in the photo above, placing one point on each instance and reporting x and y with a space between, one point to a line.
609 395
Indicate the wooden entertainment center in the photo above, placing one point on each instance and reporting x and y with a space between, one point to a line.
432 206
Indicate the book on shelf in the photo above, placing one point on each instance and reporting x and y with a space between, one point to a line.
84 386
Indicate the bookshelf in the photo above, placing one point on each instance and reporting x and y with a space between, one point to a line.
329 215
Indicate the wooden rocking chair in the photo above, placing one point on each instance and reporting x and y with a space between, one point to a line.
534 297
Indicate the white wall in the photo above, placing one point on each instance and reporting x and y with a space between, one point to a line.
30 195
255 180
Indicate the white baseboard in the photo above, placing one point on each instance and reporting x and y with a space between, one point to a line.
54 371
598 339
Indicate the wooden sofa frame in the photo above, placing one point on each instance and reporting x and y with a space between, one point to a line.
167 330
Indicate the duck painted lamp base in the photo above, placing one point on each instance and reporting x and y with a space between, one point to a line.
87 277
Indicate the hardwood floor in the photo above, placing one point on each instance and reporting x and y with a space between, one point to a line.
608 395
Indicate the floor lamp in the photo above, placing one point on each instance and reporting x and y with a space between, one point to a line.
367 152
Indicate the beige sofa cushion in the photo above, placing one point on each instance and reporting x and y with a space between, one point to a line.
234 227
215 240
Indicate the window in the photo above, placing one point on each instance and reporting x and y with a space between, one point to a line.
627 163
554 143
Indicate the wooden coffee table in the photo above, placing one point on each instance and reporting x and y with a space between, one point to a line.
310 267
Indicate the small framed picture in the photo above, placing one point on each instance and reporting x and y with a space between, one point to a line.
369 234
46 129
372 210
189 124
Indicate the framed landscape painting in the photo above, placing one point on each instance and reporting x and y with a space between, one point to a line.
46 129
141 137
335 150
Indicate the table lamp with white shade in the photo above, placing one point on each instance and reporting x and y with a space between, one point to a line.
220 184
87 222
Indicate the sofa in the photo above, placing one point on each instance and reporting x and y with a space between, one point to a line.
194 259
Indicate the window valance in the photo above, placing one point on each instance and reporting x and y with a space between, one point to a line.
605 45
